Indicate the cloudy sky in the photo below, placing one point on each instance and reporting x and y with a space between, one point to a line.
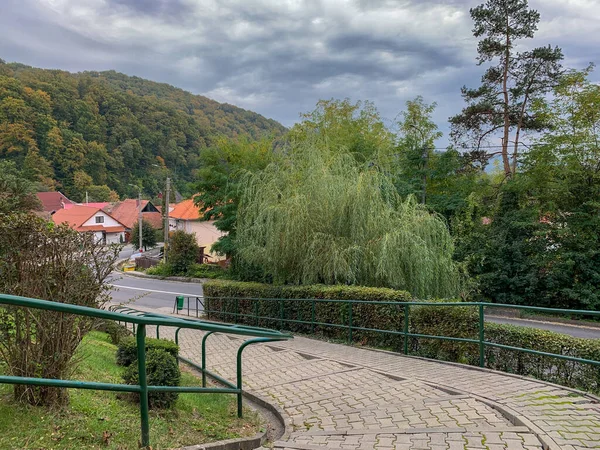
278 57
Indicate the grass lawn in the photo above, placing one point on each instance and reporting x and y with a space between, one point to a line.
106 420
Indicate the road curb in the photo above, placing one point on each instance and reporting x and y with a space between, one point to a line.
160 277
232 444
258 439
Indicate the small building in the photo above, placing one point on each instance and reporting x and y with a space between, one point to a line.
89 219
186 216
53 201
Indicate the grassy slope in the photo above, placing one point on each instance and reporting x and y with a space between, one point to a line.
105 420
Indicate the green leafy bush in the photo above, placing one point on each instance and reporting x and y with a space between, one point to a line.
116 331
224 299
183 252
127 349
241 302
162 369
161 269
560 371
212 271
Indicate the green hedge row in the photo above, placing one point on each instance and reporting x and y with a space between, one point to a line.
280 307
277 309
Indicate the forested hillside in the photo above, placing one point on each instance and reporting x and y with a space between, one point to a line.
101 132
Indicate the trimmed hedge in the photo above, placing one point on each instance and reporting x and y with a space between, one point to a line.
284 313
127 349
559 371
231 301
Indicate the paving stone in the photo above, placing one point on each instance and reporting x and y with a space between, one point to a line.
354 398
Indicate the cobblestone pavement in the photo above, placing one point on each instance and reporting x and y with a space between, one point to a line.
353 398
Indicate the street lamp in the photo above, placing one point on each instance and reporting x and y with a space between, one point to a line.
139 214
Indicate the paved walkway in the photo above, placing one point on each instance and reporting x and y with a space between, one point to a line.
344 397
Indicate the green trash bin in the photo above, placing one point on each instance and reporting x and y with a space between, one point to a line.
179 302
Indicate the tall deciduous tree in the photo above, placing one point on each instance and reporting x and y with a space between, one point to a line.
319 216
418 133
502 104
223 165
343 126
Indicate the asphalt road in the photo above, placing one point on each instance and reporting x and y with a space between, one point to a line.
161 294
148 292
572 330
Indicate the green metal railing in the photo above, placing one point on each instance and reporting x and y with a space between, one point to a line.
350 326
139 321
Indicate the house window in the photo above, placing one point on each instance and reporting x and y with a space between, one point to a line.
99 219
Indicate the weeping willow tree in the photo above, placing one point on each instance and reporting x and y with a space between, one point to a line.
320 216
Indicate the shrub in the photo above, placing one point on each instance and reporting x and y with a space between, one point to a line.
385 317
206 271
162 369
229 300
183 252
115 331
161 269
127 349
567 373
55 263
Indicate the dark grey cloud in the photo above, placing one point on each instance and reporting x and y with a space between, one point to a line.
172 9
278 57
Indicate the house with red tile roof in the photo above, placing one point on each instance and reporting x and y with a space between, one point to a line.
89 219
127 212
186 216
53 201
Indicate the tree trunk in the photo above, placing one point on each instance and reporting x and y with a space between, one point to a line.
505 160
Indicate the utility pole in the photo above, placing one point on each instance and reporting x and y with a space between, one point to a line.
166 213
140 217
425 160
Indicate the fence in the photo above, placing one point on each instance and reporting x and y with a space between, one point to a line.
139 321
179 305
301 315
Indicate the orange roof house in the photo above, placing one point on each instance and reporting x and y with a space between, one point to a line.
127 212
187 216
91 219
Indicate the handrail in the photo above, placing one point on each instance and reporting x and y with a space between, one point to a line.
252 313
141 319
417 303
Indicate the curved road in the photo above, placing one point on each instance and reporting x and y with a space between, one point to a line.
148 292
160 294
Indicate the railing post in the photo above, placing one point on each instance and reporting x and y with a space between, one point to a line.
177 336
312 318
239 383
141 355
281 314
133 325
406 311
204 358
197 300
237 305
255 312
188 307
157 332
481 337
350 324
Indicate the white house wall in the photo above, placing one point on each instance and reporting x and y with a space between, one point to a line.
108 221
206 233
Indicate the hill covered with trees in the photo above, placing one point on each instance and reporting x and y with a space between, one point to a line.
101 132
